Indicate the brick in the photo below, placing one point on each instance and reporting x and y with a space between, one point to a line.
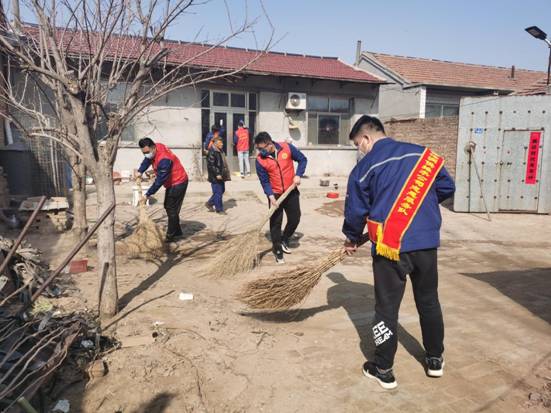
439 134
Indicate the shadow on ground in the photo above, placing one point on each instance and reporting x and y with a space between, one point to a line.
358 299
530 288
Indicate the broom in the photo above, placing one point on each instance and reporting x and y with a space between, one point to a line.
147 240
284 290
240 253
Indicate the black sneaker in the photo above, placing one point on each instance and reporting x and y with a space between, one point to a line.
285 247
435 366
209 207
279 257
384 377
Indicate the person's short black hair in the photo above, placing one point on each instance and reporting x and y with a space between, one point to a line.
214 128
371 122
262 137
146 142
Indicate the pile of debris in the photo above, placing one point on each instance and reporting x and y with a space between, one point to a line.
52 217
35 339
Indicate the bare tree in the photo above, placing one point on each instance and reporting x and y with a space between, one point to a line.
86 71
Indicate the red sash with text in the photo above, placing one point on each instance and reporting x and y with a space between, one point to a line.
388 236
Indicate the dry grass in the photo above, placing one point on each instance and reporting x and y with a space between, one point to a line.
238 255
284 290
241 252
146 241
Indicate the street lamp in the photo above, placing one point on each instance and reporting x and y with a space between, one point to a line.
541 35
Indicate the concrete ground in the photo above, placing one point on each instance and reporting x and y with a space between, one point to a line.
216 356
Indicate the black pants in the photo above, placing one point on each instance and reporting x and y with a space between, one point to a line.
291 206
174 197
390 283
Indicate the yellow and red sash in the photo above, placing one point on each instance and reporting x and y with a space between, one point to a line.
388 236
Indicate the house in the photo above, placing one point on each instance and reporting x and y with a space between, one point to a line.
541 87
312 100
424 88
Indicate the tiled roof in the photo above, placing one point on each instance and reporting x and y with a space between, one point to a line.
228 58
538 88
444 73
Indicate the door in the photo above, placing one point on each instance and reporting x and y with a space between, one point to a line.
235 124
221 120
519 170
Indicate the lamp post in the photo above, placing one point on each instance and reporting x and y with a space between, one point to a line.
541 35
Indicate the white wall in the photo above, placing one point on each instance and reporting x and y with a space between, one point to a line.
174 121
335 162
273 119
398 103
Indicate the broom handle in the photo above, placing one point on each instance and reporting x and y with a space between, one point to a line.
139 185
339 255
274 208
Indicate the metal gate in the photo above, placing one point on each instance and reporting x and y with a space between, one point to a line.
519 171
503 163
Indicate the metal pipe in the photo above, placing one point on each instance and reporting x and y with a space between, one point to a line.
549 65
73 252
22 234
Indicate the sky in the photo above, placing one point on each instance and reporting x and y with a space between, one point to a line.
489 32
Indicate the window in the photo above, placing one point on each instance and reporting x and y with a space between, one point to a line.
339 105
318 103
205 98
237 100
252 101
220 99
328 120
438 110
450 111
328 129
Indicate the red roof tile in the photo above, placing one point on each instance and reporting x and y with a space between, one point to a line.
538 88
228 58
439 72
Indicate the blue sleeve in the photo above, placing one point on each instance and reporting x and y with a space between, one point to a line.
264 179
356 208
444 185
207 140
299 157
163 171
235 139
146 163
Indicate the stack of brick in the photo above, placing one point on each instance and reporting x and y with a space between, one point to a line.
53 216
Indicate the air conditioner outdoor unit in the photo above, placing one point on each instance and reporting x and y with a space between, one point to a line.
296 101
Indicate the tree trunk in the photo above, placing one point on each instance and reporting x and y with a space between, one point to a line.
107 272
78 175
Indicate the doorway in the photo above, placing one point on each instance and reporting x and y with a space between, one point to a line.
228 122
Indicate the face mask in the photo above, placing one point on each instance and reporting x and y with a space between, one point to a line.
149 155
364 148
264 152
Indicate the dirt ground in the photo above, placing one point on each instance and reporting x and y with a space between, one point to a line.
212 355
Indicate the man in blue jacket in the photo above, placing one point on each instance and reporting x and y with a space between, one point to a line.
396 189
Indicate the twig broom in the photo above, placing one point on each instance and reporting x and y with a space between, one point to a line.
147 240
283 290
240 254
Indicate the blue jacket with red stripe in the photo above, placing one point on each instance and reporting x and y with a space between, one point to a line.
375 183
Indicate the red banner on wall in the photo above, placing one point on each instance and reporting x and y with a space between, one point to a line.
532 161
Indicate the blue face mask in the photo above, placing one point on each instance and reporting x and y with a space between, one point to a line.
264 152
